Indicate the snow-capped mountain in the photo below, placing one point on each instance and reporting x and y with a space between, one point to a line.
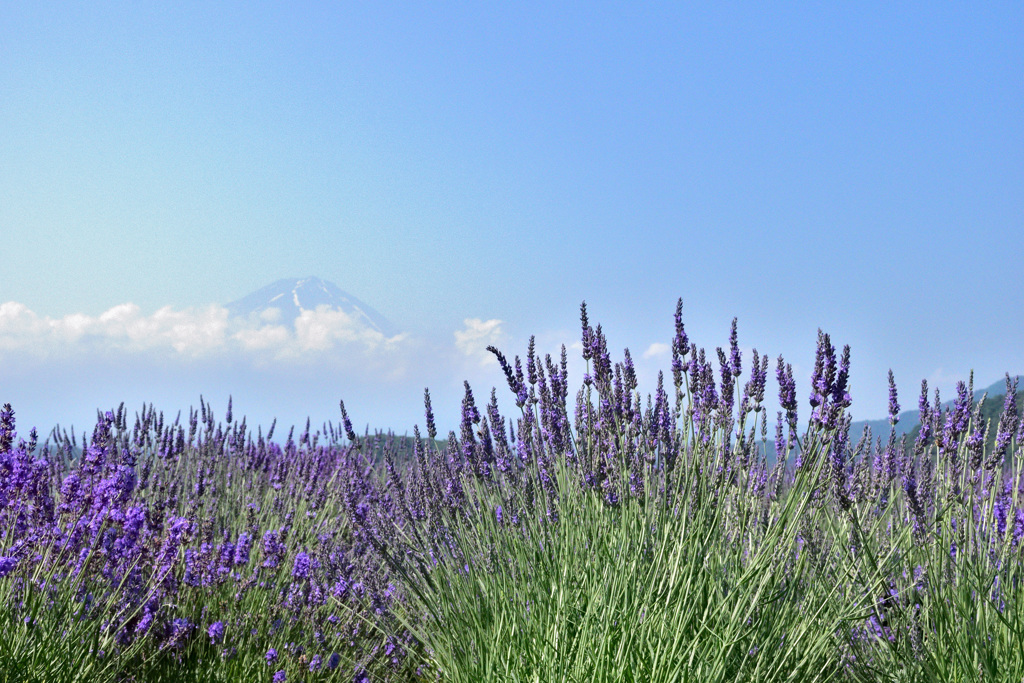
292 296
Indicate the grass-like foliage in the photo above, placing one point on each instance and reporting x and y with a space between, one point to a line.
607 540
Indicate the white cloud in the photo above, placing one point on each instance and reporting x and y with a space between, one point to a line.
267 337
657 349
270 315
320 329
18 325
473 340
189 333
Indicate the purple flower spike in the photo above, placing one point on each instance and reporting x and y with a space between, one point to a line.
280 676
837 453
216 631
6 427
7 565
241 555
780 440
431 427
302 565
735 357
587 332
925 417
680 343
894 406
787 390
1007 420
271 656
754 388
840 392
273 549
531 361
349 432
513 381
956 420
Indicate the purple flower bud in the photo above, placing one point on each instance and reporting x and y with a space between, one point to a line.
280 676
271 656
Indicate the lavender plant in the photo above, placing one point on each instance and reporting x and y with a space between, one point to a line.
589 536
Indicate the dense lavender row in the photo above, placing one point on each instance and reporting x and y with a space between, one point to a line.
198 544
607 539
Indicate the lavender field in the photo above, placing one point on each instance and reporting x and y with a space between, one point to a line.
569 532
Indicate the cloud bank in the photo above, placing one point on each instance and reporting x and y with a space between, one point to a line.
472 341
190 333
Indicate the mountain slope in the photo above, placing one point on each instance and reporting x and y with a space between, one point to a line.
908 419
292 296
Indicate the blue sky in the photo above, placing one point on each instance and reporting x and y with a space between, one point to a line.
857 167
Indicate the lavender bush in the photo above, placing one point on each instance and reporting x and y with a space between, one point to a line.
588 537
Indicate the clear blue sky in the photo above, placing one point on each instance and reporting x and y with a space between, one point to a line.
857 167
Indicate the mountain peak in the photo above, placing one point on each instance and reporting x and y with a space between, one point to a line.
291 296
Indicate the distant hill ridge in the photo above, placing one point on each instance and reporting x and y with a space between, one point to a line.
908 419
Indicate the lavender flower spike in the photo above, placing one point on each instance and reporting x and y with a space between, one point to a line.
216 631
6 427
587 332
348 424
513 382
7 565
1008 419
431 427
787 390
894 406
